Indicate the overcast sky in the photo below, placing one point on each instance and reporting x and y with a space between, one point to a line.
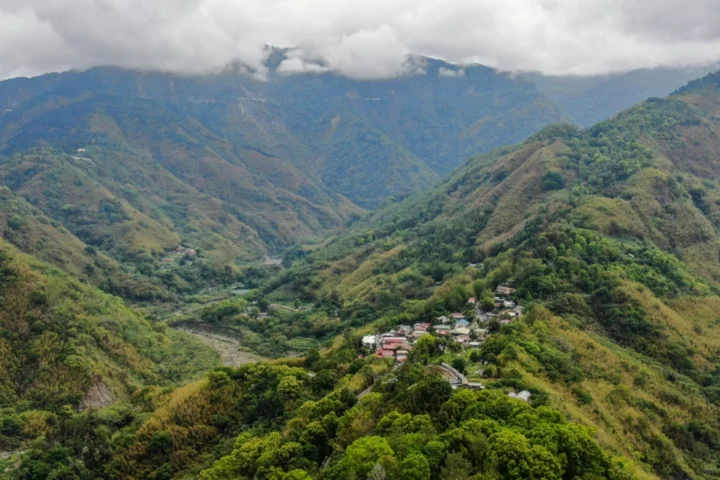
357 38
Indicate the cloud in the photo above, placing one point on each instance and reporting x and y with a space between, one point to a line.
368 40
451 73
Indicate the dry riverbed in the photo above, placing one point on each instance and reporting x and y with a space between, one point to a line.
228 347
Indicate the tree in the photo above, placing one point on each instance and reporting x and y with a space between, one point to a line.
362 456
459 364
414 467
487 301
553 181
297 475
513 457
428 395
456 467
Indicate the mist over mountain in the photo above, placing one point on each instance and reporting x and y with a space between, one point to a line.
591 99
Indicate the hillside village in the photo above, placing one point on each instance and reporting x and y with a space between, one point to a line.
469 331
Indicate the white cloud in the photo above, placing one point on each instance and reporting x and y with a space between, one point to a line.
451 73
369 39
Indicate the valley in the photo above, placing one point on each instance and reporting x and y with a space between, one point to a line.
317 277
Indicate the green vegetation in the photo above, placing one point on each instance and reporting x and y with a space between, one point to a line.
274 155
608 237
610 232
67 347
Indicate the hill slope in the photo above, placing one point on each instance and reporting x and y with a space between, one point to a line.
63 342
367 140
610 234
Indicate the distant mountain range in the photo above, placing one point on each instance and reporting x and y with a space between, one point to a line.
594 98
135 163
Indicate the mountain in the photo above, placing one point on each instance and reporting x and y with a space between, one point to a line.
594 98
366 140
609 235
66 345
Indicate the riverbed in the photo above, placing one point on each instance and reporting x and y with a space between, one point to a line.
229 348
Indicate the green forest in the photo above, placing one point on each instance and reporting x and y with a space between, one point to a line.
547 311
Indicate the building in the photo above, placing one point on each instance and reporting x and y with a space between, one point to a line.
462 323
404 329
504 290
369 341
473 386
418 333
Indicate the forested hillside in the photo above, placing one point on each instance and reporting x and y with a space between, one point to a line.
587 263
245 140
66 347
610 232
174 180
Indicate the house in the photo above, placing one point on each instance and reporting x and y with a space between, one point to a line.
457 316
504 290
505 321
421 326
380 353
474 344
508 304
462 323
369 341
404 346
482 332
461 331
80 150
190 252
417 334
463 339
443 319
180 249
472 300
401 358
473 386
404 329
442 328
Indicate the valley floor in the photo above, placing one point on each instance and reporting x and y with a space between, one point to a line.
227 346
